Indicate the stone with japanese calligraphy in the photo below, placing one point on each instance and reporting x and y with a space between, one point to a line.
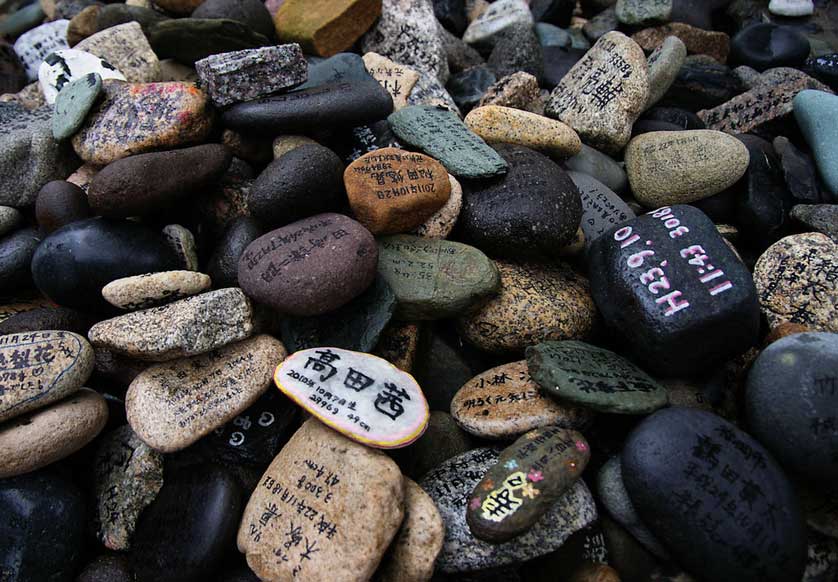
40 368
505 402
601 208
715 496
791 391
451 485
442 222
664 64
433 278
73 103
152 289
311 266
391 190
397 78
33 46
359 395
593 377
528 478
128 476
304 515
497 124
604 93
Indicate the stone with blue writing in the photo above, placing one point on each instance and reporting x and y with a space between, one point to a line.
359 395
715 496
601 207
528 478
671 283
791 392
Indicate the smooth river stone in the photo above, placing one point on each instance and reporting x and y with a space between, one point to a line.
593 377
497 124
50 434
719 500
435 279
602 209
669 279
151 289
64 66
187 327
340 484
391 190
172 405
73 103
40 368
528 478
679 167
813 111
359 395
335 263
536 303
440 134
664 64
604 93
505 402
450 486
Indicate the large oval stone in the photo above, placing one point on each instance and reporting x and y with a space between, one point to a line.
498 124
434 279
715 496
40 368
311 266
359 395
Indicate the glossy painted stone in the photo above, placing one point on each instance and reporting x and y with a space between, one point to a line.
362 396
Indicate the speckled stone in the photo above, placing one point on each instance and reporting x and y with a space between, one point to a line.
325 27
137 118
182 242
504 402
172 405
500 15
442 222
640 12
795 280
73 103
48 366
450 485
396 78
253 73
603 116
152 289
697 41
496 124
44 436
348 483
519 90
34 45
516 49
10 219
822 218
536 303
126 48
128 476
184 328
664 64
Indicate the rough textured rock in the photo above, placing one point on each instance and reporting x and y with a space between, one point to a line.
126 48
152 289
325 27
496 124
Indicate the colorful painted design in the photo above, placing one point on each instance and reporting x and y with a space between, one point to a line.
535 476
502 502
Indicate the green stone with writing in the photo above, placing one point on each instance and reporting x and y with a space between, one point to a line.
583 374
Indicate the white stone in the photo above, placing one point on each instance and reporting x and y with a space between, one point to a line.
791 7
66 65
33 46
498 16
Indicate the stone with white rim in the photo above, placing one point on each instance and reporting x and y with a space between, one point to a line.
359 395
33 46
142 291
66 65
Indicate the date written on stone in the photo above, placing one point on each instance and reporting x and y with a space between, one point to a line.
359 395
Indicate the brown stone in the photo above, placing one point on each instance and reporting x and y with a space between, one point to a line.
397 344
83 25
354 494
397 79
698 41
325 27
519 90
782 330
392 191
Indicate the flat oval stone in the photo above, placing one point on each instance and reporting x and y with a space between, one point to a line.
391 190
450 486
794 278
341 104
505 402
67 65
152 289
602 209
42 367
155 182
434 279
716 496
341 483
765 45
42 437
669 279
359 395
73 103
187 327
531 212
593 377
335 263
790 404
497 124
678 167
528 478
536 303
172 405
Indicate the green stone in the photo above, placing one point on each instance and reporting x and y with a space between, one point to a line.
439 133
599 379
643 12
22 20
815 112
73 103
188 40
435 279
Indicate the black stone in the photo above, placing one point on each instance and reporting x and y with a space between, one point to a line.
558 12
46 318
191 39
766 45
59 203
468 87
72 264
697 13
340 68
721 207
452 15
183 534
351 145
532 211
681 117
344 104
12 73
251 13
115 14
824 68
799 172
557 62
42 519
16 252
702 85
517 49
676 327
107 568
715 497
223 265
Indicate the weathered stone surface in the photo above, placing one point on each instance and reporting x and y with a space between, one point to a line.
10 219
152 289
496 124
822 218
696 40
664 64
347 483
325 27
763 45
126 48
497 17
33 46
396 78
602 209
184 328
442 222
519 90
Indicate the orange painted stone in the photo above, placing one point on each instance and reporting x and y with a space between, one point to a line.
325 27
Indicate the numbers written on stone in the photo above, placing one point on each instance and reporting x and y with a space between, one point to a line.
708 273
